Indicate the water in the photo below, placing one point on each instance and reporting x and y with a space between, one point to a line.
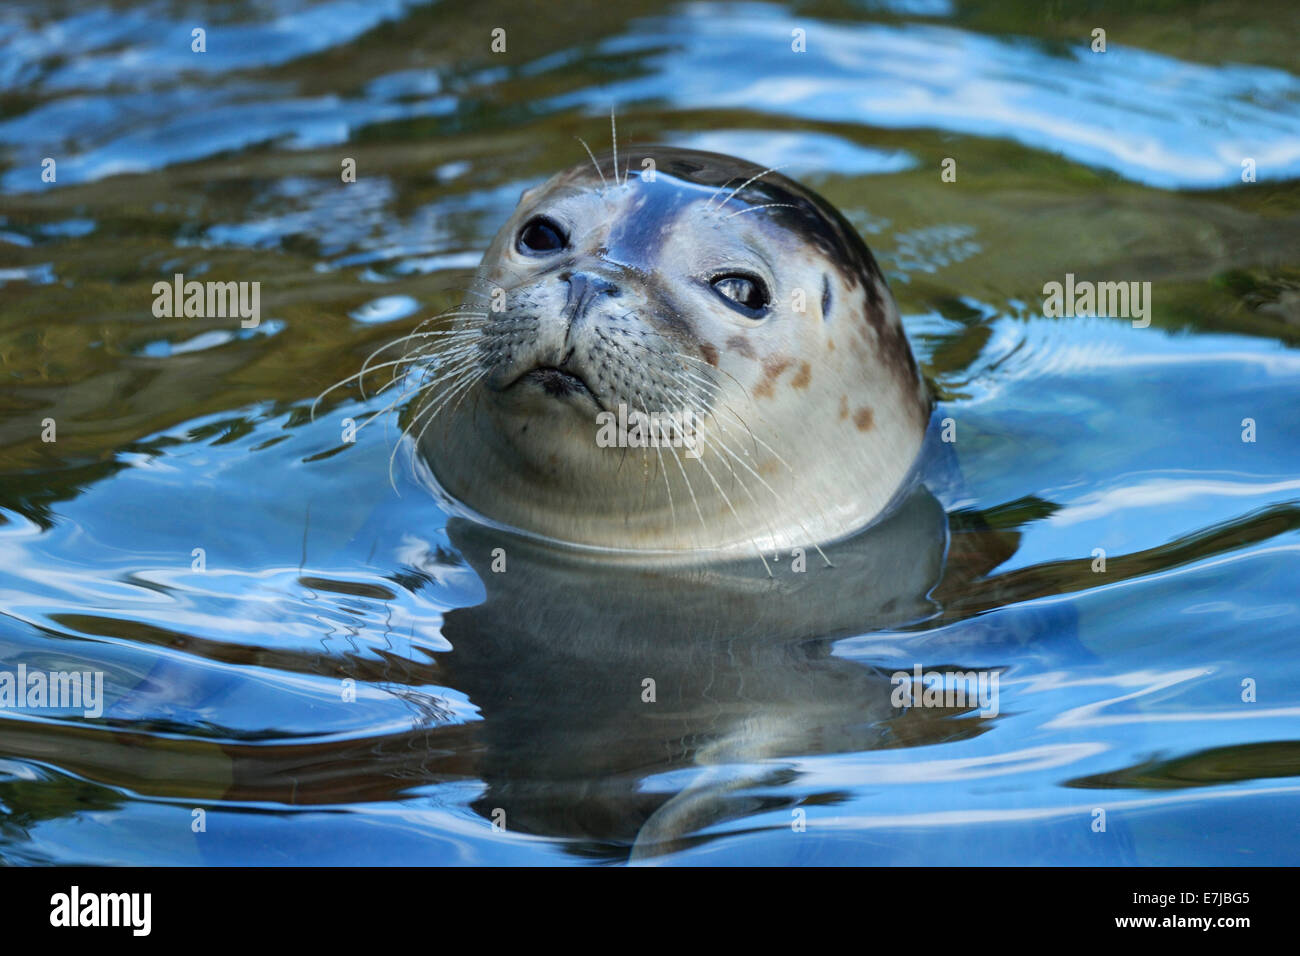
1120 691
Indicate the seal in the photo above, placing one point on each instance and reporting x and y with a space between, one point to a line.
701 357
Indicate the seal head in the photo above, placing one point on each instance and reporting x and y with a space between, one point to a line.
702 356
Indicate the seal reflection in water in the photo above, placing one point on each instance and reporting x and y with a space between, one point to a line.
731 294
595 679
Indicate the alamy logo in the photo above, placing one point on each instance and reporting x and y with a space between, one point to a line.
638 429
208 300
951 689
54 690
75 908
1113 300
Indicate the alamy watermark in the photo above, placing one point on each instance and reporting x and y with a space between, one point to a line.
1114 300
52 690
949 689
637 429
75 909
208 300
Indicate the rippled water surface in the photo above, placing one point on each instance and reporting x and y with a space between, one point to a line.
1164 690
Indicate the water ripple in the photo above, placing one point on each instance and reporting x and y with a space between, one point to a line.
1148 117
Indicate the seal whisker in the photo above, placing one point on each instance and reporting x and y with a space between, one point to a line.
357 376
453 381
454 362
689 488
428 396
725 447
695 393
461 311
471 322
613 135
697 390
722 445
713 370
415 389
724 405
769 448
463 363
755 440
766 447
747 182
769 205
461 386
455 312
451 336
744 487
711 389
383 412
735 514
727 182
416 333
593 162
663 470
437 349
451 363
411 356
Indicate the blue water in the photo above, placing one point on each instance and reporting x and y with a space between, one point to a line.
1162 690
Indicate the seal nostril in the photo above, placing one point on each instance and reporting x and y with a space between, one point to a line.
602 286
577 285
583 288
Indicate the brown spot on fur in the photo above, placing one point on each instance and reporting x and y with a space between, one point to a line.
710 353
740 345
844 406
830 345
860 342
803 377
772 369
864 419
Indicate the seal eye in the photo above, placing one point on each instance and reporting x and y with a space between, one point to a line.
540 235
746 292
